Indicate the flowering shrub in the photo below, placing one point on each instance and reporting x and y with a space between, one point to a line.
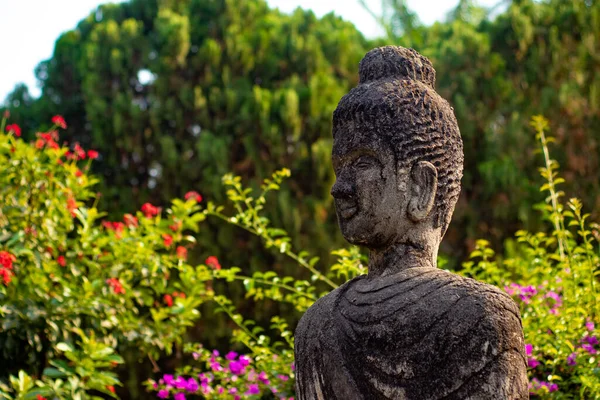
75 286
234 376
76 289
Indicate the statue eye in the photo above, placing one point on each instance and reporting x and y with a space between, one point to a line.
364 163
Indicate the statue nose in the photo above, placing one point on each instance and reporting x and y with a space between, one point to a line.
342 188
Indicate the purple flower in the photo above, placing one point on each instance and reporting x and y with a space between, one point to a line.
216 353
263 377
180 383
216 366
179 396
528 349
253 389
245 360
231 356
169 379
553 387
233 390
589 348
593 340
532 362
192 385
163 394
571 359
236 367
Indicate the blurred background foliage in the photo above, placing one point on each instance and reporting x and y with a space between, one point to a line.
176 93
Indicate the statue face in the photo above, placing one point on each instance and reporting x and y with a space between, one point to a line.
369 192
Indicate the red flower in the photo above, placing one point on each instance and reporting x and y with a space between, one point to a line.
14 128
167 240
6 266
111 388
130 221
176 226
193 195
149 210
6 259
181 252
59 121
92 154
53 145
168 300
213 262
39 397
78 173
79 152
39 144
72 206
61 261
118 228
116 286
6 275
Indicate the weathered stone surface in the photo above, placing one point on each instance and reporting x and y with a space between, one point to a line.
406 330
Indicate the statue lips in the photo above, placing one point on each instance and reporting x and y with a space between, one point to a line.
347 209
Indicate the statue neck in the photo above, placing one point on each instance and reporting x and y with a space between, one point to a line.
398 257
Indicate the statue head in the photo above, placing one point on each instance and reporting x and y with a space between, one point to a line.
397 154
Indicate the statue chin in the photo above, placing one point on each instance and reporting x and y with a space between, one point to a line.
356 233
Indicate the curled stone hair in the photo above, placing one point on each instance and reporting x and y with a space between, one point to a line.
396 103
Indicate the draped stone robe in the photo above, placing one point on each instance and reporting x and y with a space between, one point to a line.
421 333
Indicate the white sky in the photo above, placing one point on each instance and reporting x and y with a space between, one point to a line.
28 28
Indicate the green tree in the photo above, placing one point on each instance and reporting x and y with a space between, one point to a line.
174 94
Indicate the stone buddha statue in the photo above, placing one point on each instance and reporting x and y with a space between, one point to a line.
406 330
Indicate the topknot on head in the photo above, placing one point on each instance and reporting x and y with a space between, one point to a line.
396 62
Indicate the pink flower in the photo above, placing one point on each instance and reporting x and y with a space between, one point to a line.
589 326
92 154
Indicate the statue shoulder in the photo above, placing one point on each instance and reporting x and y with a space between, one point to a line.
321 311
495 302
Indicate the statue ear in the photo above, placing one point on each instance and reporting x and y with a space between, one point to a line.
422 190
